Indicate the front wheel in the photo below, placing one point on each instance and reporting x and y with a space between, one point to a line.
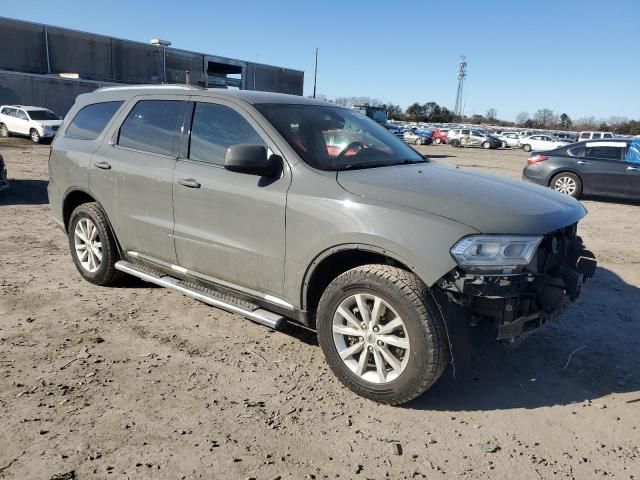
35 136
486 145
437 141
455 143
92 245
382 333
567 183
4 131
503 144
526 147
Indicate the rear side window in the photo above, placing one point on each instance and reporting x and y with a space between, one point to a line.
153 126
90 121
215 128
595 136
607 153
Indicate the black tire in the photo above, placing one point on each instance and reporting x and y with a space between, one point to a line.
424 325
418 141
455 143
565 176
486 145
437 141
4 131
106 274
503 144
526 147
35 136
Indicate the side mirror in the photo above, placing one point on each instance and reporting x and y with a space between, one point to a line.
252 160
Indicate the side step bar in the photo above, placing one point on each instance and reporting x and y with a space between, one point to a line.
258 315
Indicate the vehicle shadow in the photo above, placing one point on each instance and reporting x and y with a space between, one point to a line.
586 353
428 155
25 192
620 201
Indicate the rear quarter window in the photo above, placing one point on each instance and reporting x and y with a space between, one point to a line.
90 121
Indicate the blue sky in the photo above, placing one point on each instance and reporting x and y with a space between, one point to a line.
578 57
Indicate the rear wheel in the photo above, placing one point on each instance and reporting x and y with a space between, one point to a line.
382 333
526 147
503 144
567 183
455 142
92 245
4 131
35 136
486 145
437 141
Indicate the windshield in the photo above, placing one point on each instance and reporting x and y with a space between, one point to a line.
42 115
334 138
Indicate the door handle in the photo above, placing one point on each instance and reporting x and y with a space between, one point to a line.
582 162
102 165
189 182
633 169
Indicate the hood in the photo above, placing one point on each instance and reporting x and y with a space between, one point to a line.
488 203
49 123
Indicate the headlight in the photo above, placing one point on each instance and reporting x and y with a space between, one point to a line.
495 251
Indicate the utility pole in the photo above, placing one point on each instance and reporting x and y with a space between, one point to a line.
462 74
315 75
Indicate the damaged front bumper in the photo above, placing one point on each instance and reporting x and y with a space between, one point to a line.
522 301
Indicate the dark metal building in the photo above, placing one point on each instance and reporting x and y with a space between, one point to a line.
49 66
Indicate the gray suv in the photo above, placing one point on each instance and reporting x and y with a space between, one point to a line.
239 200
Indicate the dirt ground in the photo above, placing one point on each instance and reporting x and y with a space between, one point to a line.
141 382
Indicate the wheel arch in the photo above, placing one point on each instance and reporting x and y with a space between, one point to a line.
333 262
75 197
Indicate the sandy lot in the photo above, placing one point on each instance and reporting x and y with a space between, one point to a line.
141 382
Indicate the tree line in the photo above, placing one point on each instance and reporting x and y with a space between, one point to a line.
545 118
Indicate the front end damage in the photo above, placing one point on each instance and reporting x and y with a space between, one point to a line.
522 300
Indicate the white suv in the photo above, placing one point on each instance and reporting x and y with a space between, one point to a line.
36 122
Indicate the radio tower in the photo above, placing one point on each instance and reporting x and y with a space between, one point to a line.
462 74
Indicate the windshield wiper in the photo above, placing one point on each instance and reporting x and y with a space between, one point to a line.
363 165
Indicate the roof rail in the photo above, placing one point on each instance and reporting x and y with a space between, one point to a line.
151 86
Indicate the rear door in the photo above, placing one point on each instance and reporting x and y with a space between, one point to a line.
603 168
132 173
228 225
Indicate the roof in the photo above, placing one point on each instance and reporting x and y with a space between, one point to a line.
25 107
250 96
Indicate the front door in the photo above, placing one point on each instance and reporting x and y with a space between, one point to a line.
132 174
21 122
632 161
228 225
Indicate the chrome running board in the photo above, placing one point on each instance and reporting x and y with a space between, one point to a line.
210 297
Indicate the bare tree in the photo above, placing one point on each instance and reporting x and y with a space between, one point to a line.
521 118
492 114
544 117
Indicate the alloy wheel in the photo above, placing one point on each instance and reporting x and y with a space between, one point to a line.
371 338
88 245
35 136
565 185
4 132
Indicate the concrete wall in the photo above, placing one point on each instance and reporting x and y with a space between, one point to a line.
57 94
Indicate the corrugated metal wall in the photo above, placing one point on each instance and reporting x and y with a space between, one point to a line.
47 50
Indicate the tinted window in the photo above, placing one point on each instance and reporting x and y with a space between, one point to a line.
215 128
465 132
91 120
153 126
607 135
595 136
608 153
584 135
